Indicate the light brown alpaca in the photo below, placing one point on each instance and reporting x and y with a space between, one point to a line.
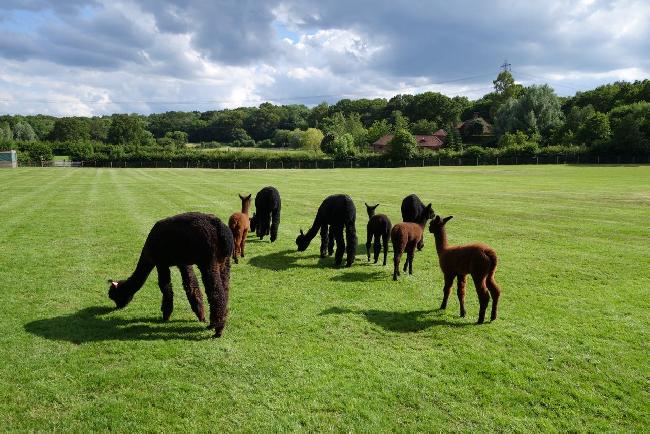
479 260
407 236
239 224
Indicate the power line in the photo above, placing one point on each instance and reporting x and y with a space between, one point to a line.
216 101
555 82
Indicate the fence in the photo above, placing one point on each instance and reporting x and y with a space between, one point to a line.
332 164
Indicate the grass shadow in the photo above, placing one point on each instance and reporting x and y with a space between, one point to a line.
360 276
93 324
402 322
287 259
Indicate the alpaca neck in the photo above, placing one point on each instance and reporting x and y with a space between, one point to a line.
139 276
245 206
311 233
441 239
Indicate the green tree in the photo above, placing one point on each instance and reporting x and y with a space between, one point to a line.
98 127
6 135
343 146
424 127
39 152
536 111
403 145
128 130
24 132
595 130
311 139
81 150
377 130
70 129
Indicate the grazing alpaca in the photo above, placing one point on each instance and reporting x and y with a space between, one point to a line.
183 240
406 236
239 225
266 218
379 227
336 212
479 260
413 210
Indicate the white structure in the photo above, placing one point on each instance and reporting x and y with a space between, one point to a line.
8 159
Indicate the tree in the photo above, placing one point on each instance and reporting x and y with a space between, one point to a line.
80 151
536 111
595 130
128 130
317 114
6 135
630 126
343 146
311 139
39 152
424 127
505 88
263 122
98 127
403 145
24 132
70 130
377 130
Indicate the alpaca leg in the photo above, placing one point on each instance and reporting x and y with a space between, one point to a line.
462 281
191 286
409 258
217 297
330 243
324 240
340 244
243 242
385 242
495 292
275 224
483 296
446 290
351 239
165 284
377 248
368 243
397 256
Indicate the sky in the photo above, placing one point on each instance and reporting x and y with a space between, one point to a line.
94 57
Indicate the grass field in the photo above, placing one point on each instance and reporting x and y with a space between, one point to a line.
309 347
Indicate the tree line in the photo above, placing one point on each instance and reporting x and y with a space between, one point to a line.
613 118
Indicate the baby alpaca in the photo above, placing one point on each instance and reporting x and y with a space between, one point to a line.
239 225
378 227
407 236
478 259
413 210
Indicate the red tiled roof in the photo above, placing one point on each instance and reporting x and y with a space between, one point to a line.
427 142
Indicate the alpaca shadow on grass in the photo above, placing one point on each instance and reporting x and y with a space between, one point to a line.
403 322
95 324
287 259
360 276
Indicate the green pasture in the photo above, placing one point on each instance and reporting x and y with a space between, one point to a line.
310 347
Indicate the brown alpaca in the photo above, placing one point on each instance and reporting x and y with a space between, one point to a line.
407 236
478 259
239 224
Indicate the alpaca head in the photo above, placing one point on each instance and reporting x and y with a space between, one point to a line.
371 209
302 242
438 223
253 222
428 212
120 297
245 203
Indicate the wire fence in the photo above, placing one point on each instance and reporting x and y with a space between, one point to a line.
351 164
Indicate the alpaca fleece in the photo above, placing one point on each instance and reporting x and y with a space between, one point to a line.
239 225
379 227
406 237
266 219
478 259
335 214
181 241
413 210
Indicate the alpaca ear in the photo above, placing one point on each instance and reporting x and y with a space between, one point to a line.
301 232
367 206
240 196
446 219
113 283
248 197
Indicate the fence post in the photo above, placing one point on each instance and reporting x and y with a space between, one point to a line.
249 164
298 164
557 159
438 161
578 159
497 161
404 163
82 163
477 161
266 164
423 162
332 164
282 164
350 164
111 164
316 164
516 159
597 159
536 159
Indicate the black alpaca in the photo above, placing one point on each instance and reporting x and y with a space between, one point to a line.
379 226
414 211
335 213
266 218
183 240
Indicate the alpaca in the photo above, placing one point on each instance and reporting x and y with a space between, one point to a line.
336 212
378 227
413 210
183 240
239 224
478 259
266 218
406 236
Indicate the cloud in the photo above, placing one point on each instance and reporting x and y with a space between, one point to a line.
88 57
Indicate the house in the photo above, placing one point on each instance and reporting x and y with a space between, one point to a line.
475 127
432 142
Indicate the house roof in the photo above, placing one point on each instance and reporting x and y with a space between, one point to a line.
423 141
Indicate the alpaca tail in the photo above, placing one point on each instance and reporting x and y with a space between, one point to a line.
491 283
275 223
224 235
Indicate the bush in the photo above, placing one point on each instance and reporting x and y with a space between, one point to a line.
403 145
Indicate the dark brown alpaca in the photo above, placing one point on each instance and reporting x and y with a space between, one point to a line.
239 224
378 227
478 259
183 240
407 236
